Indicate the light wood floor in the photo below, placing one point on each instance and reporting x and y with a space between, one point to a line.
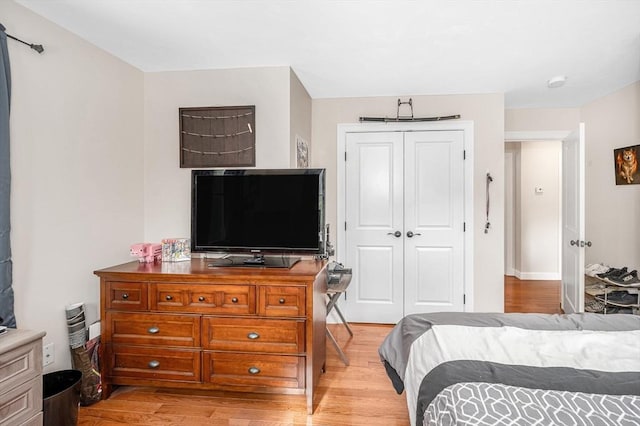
360 394
531 296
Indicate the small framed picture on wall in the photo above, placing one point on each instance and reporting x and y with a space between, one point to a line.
626 165
302 153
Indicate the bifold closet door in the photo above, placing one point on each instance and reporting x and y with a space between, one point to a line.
433 221
375 234
404 212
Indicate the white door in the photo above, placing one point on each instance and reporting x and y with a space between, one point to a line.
433 222
374 243
404 211
573 222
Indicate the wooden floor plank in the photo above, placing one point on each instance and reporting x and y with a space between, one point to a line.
356 395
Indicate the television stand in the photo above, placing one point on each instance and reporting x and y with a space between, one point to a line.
258 260
204 329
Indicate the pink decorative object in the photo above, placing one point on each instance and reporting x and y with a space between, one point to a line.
146 252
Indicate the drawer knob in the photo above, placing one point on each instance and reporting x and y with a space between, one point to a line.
234 300
153 330
154 364
201 298
254 370
281 301
253 335
125 296
168 297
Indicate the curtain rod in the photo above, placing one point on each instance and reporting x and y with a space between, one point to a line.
37 47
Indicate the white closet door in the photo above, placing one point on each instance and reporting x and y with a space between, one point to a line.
374 200
434 219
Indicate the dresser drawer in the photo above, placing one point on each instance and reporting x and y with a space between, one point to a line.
218 299
253 335
34 421
127 296
21 403
282 301
153 329
173 364
253 369
20 364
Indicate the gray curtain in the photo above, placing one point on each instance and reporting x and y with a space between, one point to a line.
6 290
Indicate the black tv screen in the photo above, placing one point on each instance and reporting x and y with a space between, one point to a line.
258 210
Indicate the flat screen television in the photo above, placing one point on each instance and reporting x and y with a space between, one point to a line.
259 217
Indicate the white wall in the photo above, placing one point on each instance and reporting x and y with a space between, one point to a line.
487 112
76 160
167 187
541 119
612 211
300 113
540 211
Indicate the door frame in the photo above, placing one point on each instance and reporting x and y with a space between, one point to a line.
533 136
537 136
509 217
464 125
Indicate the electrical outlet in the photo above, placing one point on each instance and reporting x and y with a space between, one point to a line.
48 354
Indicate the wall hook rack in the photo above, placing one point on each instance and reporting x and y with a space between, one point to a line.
399 118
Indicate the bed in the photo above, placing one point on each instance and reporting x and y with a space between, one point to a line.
522 369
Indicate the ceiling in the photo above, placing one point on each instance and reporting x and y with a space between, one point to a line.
378 48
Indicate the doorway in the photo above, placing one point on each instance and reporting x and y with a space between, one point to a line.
533 209
573 239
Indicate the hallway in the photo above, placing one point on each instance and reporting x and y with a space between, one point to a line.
539 296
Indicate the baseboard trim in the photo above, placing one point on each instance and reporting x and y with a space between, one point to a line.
541 276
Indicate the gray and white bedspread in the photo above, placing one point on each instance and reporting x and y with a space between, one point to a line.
490 404
426 354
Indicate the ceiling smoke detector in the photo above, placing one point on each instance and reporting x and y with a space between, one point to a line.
557 81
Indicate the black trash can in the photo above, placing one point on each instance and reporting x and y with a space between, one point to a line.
61 397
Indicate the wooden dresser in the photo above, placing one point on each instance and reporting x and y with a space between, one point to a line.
191 325
21 378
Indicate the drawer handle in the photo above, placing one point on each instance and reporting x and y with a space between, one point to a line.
154 364
125 296
253 335
168 297
153 330
234 300
254 370
201 298
281 301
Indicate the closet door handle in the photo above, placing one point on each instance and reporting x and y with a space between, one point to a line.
396 234
573 242
411 234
